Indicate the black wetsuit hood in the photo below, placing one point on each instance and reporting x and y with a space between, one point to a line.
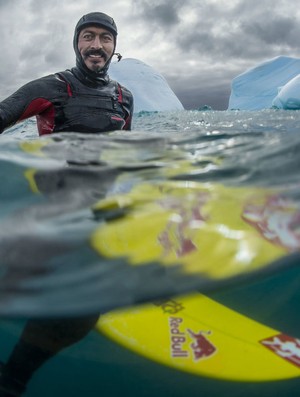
93 19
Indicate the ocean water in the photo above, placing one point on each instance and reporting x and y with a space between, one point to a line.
59 192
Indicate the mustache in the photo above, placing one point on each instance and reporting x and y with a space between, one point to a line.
99 52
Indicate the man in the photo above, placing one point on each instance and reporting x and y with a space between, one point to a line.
83 99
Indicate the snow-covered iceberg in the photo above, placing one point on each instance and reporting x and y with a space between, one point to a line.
150 89
271 83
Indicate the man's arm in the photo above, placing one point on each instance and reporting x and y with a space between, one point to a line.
28 101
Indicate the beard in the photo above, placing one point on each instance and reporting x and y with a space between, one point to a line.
95 66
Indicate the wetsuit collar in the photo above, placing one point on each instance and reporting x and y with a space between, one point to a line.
91 79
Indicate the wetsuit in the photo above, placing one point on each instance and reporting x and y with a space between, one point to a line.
69 101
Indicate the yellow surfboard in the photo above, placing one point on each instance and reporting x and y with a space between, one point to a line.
211 233
208 229
198 335
217 232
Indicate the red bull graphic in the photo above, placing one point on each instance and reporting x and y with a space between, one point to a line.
285 347
186 343
278 221
202 347
187 217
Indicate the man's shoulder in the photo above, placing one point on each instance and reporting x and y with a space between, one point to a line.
125 91
48 80
63 75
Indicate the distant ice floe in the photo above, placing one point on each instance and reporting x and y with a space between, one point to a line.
272 83
150 90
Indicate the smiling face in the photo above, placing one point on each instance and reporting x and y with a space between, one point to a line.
96 46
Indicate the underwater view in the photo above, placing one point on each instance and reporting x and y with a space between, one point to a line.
159 261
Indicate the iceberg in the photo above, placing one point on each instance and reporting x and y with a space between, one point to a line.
275 82
289 95
150 89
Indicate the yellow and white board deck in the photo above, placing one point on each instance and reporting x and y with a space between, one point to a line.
198 335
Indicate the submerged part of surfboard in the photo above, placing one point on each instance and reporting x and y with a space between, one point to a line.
213 235
96 233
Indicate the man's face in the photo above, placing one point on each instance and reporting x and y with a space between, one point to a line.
96 46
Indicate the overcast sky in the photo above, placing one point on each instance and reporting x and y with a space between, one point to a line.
198 46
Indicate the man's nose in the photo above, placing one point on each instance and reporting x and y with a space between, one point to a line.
97 43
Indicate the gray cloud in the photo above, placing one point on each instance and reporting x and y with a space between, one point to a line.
276 31
228 34
160 13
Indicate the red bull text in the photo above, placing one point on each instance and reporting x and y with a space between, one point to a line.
185 343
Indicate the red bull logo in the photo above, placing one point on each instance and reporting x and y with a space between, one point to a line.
186 219
202 347
277 220
180 338
285 347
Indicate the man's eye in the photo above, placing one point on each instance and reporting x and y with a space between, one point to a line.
87 37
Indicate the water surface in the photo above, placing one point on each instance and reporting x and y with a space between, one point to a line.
57 192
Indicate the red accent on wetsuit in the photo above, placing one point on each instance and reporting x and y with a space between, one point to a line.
45 121
44 112
69 90
128 118
37 106
127 123
120 96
